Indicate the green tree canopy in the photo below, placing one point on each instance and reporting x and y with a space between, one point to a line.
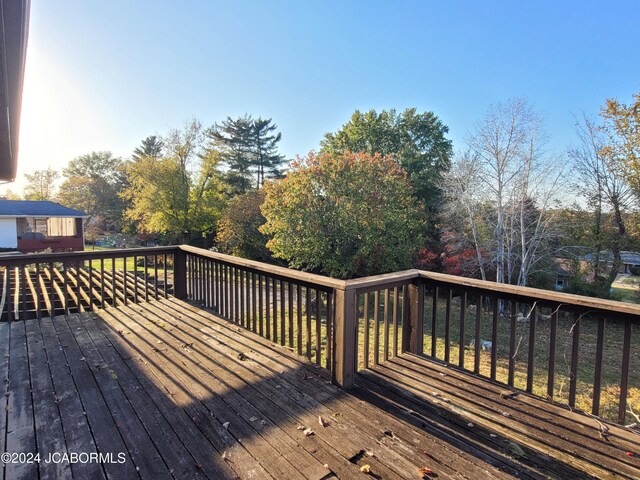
150 147
238 229
417 141
349 214
249 150
178 193
93 183
41 184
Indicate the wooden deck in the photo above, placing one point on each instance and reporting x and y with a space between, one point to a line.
172 391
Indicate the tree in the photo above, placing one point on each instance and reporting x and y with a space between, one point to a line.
622 151
603 187
93 183
178 193
346 215
41 184
238 229
249 149
417 141
507 183
150 147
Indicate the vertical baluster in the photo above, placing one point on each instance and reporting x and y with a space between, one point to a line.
253 303
155 277
597 377
52 292
463 315
367 329
113 282
65 293
552 354
216 287
260 307
434 319
90 284
282 313
9 297
267 295
318 327
165 266
23 282
385 343
476 340
494 337
624 372
125 288
573 374
329 325
396 306
299 318
447 326
307 295
135 279
39 299
77 268
275 310
236 295
532 349
376 327
146 279
512 343
290 295
102 302
243 298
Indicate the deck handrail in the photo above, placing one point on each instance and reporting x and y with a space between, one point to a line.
349 325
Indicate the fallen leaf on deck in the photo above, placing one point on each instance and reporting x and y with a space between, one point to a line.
508 394
326 465
389 433
424 471
368 453
226 425
470 425
308 432
300 427
322 422
365 469
242 357
630 454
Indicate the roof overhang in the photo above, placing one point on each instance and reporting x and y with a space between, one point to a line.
14 29
45 216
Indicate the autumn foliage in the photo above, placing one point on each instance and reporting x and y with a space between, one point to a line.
345 215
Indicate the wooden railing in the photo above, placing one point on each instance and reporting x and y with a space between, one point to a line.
36 285
565 348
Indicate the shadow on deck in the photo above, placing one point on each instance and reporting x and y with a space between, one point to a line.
168 390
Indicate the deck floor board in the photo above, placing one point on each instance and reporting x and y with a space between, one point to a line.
159 381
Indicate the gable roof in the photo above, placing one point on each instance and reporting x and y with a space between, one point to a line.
33 208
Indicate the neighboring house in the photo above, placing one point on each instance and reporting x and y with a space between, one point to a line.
629 260
31 226
564 273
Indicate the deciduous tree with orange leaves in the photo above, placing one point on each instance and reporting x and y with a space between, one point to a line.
346 215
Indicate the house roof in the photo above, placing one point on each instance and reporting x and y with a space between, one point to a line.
14 29
33 208
628 258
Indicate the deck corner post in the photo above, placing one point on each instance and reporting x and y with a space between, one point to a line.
413 318
344 361
180 274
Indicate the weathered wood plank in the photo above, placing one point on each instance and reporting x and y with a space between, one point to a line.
144 400
48 423
148 461
350 415
20 422
78 436
174 383
103 426
206 389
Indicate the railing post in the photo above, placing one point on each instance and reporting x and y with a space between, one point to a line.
180 274
344 361
413 318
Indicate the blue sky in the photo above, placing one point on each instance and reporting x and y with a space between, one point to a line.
102 75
